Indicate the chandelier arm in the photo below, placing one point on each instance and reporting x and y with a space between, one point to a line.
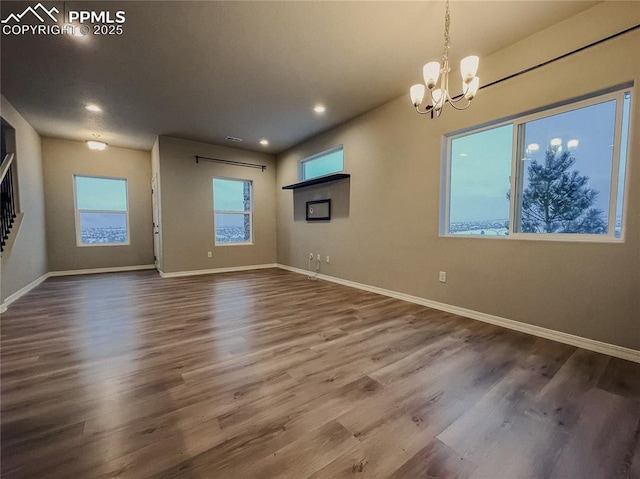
428 110
448 95
459 108
458 99
433 101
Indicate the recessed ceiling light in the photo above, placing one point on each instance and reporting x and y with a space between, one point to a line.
93 107
533 147
571 144
319 109
96 145
264 142
556 142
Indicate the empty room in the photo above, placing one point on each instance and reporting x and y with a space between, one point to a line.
320 239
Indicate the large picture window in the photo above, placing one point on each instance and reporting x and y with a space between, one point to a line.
232 205
102 213
556 174
322 164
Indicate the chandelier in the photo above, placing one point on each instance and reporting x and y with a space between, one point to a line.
433 70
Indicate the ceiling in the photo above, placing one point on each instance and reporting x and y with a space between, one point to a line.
208 70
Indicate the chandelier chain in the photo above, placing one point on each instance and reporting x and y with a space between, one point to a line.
447 38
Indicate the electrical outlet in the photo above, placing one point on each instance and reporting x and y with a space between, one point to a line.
327 260
209 254
318 257
310 255
442 277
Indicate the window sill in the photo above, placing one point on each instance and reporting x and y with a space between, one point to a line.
91 245
234 244
556 238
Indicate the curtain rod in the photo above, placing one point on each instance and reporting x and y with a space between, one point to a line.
560 57
231 162
547 62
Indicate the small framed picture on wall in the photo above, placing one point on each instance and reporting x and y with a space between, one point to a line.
319 210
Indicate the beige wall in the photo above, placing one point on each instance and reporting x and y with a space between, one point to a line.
187 206
63 159
390 237
26 260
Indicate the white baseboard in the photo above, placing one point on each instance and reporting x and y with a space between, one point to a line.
115 269
231 269
21 292
578 341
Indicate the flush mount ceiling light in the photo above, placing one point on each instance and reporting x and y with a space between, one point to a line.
264 142
319 109
433 70
93 107
96 145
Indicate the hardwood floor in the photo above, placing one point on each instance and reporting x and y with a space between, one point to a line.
266 374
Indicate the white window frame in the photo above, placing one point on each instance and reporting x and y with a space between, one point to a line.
78 211
318 156
445 186
243 213
518 170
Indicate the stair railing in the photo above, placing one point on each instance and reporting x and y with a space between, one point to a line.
7 199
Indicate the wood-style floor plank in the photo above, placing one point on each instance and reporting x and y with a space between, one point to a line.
265 374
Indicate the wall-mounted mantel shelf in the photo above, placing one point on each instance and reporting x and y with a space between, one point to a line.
317 181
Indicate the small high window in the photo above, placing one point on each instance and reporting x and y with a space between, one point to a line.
232 208
102 213
322 164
